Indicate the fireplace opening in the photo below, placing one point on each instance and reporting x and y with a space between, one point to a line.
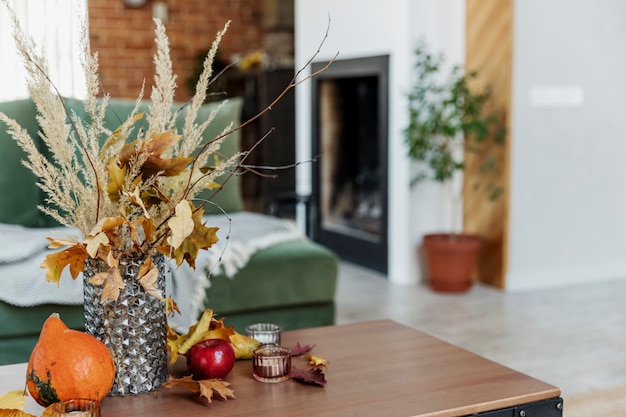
349 202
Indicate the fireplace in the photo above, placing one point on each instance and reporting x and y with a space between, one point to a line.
349 131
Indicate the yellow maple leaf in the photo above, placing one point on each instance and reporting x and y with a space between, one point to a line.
243 345
181 224
202 237
147 276
207 327
207 388
15 400
317 361
210 387
55 263
117 175
180 344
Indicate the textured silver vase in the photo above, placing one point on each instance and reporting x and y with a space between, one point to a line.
133 327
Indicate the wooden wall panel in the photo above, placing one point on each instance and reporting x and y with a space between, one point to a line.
489 50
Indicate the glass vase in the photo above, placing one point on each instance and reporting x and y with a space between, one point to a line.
133 327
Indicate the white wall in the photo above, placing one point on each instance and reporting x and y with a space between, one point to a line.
375 27
568 176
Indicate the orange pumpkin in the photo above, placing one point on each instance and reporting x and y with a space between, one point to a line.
68 364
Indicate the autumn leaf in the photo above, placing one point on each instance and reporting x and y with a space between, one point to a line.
174 341
207 327
153 148
298 350
171 306
15 400
202 237
311 376
106 224
207 388
317 361
135 198
94 243
243 345
49 412
148 228
117 136
60 243
210 387
181 224
55 263
147 276
111 280
180 345
117 175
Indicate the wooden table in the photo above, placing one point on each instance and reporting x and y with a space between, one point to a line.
377 368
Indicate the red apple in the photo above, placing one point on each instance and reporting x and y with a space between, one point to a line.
213 358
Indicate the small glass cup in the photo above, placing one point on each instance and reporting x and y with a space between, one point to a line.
264 333
271 363
79 407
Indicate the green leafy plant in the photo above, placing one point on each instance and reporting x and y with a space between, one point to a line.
446 118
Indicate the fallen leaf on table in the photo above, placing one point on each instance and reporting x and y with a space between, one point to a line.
317 361
207 388
208 327
312 376
298 350
13 400
210 387
243 345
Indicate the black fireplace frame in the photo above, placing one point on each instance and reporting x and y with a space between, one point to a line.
366 253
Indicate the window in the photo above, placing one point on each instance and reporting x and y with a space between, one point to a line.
55 27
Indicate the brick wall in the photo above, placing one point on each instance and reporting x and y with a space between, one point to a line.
124 39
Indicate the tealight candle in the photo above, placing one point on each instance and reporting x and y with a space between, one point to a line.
76 408
264 333
271 363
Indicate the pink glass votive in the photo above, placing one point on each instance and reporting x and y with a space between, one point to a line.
264 333
76 408
271 363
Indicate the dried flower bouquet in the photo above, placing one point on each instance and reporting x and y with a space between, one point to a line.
128 191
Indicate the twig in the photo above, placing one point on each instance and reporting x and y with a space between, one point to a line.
292 84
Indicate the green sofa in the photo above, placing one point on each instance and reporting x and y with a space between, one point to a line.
291 283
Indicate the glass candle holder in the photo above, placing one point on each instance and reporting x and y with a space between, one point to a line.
271 363
264 333
76 408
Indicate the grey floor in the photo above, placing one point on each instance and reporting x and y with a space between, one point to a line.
574 338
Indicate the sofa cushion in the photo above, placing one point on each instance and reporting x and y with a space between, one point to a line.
18 185
287 274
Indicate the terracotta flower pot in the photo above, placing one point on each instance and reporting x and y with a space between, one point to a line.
450 260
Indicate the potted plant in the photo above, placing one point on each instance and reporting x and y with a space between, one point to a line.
448 122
